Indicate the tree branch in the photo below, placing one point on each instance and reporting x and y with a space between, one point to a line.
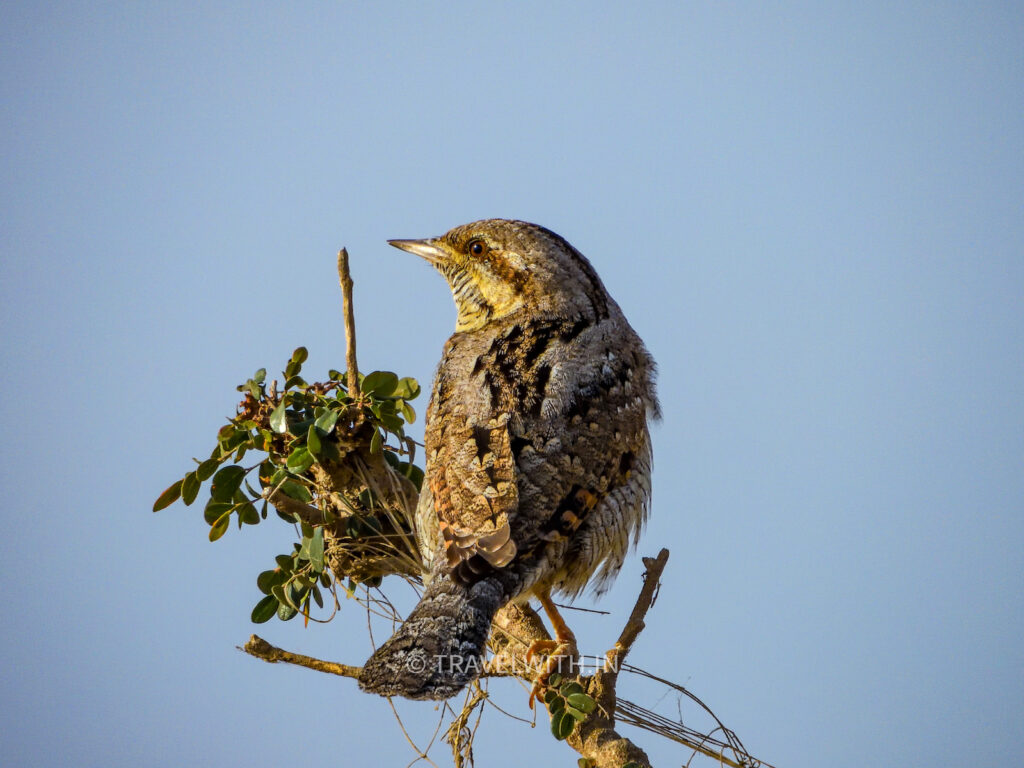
635 624
261 649
515 628
345 280
305 512
596 738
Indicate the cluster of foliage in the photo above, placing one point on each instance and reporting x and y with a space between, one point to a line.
567 703
298 429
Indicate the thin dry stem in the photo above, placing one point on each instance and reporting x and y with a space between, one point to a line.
635 623
261 649
288 505
345 280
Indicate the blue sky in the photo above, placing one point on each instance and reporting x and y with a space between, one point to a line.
812 213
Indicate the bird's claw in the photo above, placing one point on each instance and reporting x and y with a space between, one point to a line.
543 647
556 652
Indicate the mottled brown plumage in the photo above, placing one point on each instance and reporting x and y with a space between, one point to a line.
537 448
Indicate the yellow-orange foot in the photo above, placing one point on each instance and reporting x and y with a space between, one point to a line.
557 652
541 647
562 648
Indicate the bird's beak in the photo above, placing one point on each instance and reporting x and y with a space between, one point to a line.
427 249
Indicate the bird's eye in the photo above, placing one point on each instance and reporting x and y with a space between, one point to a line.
477 247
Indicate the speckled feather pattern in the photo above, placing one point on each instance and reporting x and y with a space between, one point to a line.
538 455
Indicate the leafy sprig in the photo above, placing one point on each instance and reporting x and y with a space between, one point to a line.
305 431
568 704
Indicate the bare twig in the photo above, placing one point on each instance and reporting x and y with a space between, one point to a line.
261 649
290 506
716 743
635 624
345 280
596 738
421 755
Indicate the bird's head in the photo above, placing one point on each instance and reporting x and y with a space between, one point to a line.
498 266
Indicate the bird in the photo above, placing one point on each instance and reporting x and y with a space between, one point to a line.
537 445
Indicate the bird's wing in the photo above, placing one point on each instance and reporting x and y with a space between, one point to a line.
473 484
526 462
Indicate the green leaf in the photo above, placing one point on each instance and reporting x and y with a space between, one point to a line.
316 550
317 597
582 702
567 723
278 592
264 610
230 438
408 413
168 497
570 688
284 562
407 389
300 460
278 418
326 422
300 355
227 480
205 470
260 376
190 488
562 724
285 612
296 491
392 422
279 474
575 714
296 591
214 509
313 440
219 527
375 443
247 513
268 579
379 384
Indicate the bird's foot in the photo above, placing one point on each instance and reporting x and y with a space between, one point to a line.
558 654
542 647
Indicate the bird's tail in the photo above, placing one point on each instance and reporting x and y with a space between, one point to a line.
440 647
